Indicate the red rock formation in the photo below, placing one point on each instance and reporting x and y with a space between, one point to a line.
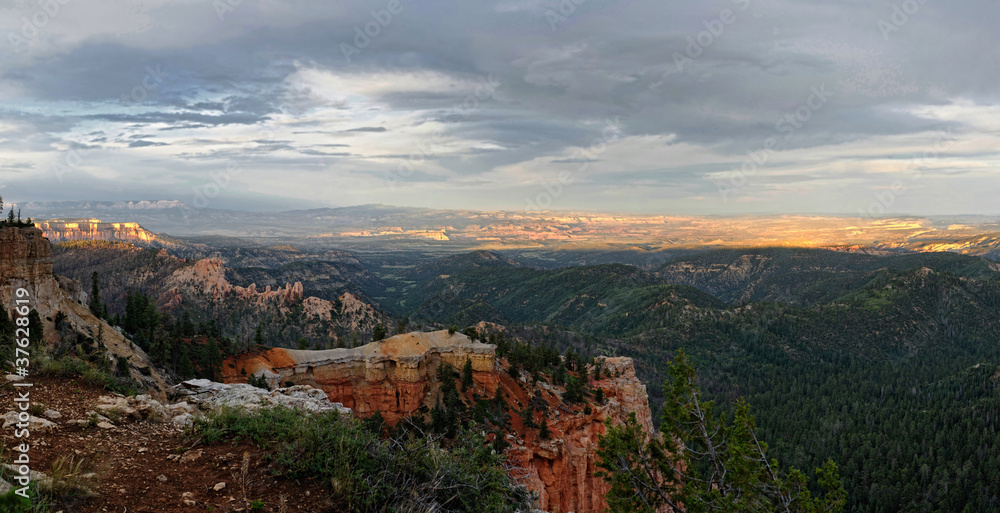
398 376
562 468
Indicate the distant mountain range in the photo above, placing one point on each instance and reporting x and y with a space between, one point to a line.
541 239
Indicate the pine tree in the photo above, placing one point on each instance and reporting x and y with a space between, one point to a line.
213 360
378 332
559 375
704 463
543 429
467 374
185 369
95 303
574 390
187 327
258 337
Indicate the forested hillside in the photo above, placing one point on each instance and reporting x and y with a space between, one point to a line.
887 365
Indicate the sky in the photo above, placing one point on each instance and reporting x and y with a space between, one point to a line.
714 107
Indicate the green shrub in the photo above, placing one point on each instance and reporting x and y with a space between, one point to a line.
364 472
69 367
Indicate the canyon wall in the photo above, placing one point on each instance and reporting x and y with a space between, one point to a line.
26 261
397 376
59 230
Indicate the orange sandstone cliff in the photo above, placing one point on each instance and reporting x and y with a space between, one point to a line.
397 376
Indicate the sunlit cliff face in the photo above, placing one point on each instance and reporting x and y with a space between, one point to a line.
94 229
503 229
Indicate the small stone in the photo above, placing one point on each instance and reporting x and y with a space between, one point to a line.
219 486
161 478
190 456
105 425
52 414
14 377
183 420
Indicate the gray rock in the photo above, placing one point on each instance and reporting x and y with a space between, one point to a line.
11 418
209 395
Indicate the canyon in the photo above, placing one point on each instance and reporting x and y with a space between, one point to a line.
398 377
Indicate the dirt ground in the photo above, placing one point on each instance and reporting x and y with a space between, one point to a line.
143 466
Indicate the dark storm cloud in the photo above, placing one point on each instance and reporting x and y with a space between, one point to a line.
723 76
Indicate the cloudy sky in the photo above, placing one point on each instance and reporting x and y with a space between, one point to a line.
712 107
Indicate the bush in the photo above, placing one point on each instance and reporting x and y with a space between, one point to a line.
366 473
258 381
68 367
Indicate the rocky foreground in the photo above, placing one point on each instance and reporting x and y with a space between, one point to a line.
117 453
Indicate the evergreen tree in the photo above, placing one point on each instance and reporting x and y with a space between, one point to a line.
467 374
559 375
213 360
185 369
543 429
378 332
36 333
574 390
187 327
702 463
95 303
258 337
